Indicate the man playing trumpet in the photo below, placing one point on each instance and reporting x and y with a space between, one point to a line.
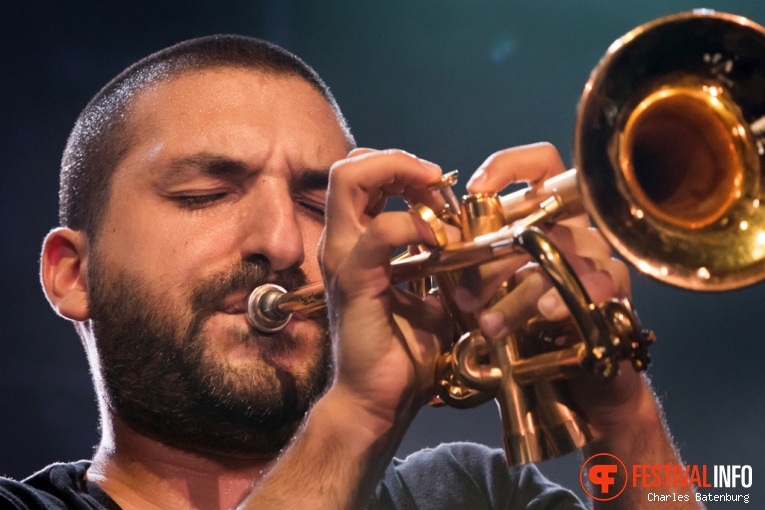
200 173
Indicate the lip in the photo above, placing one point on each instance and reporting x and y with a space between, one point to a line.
235 304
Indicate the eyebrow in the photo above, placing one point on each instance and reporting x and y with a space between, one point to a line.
208 164
311 179
205 163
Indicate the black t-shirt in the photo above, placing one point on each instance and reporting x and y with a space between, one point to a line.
59 486
452 476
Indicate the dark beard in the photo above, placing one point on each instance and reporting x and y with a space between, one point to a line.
159 380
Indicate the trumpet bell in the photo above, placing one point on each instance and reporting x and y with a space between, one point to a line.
668 147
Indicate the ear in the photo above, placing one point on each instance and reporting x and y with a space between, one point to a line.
62 272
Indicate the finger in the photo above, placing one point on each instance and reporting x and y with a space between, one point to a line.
610 282
579 241
425 196
581 221
535 295
424 324
367 265
585 249
515 309
358 151
358 183
412 196
363 161
477 285
529 163
390 172
376 204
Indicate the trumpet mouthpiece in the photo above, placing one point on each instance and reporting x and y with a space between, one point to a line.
263 311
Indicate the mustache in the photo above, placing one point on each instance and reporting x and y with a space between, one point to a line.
242 277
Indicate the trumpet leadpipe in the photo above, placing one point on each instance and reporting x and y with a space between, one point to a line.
270 306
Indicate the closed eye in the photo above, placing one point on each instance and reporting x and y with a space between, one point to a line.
312 208
198 201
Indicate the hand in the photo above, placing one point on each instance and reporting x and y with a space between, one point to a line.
588 253
386 340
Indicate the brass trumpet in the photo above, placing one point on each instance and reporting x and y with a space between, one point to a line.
668 150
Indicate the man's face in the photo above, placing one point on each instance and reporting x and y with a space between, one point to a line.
222 189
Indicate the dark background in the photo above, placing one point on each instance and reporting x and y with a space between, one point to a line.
451 81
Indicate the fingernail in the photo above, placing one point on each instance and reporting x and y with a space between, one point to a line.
493 324
547 305
425 230
432 166
477 178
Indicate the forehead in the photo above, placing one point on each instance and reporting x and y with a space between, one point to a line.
231 109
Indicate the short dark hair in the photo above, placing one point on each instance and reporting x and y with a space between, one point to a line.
100 137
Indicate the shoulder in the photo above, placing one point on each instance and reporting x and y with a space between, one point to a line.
467 475
58 486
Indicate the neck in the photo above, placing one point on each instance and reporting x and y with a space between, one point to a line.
140 472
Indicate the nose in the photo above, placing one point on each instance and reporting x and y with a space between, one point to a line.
270 228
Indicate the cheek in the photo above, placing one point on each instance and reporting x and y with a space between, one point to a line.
311 231
166 249
198 244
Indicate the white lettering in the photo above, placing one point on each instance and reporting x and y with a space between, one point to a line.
653 496
746 476
724 476
722 497
736 473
